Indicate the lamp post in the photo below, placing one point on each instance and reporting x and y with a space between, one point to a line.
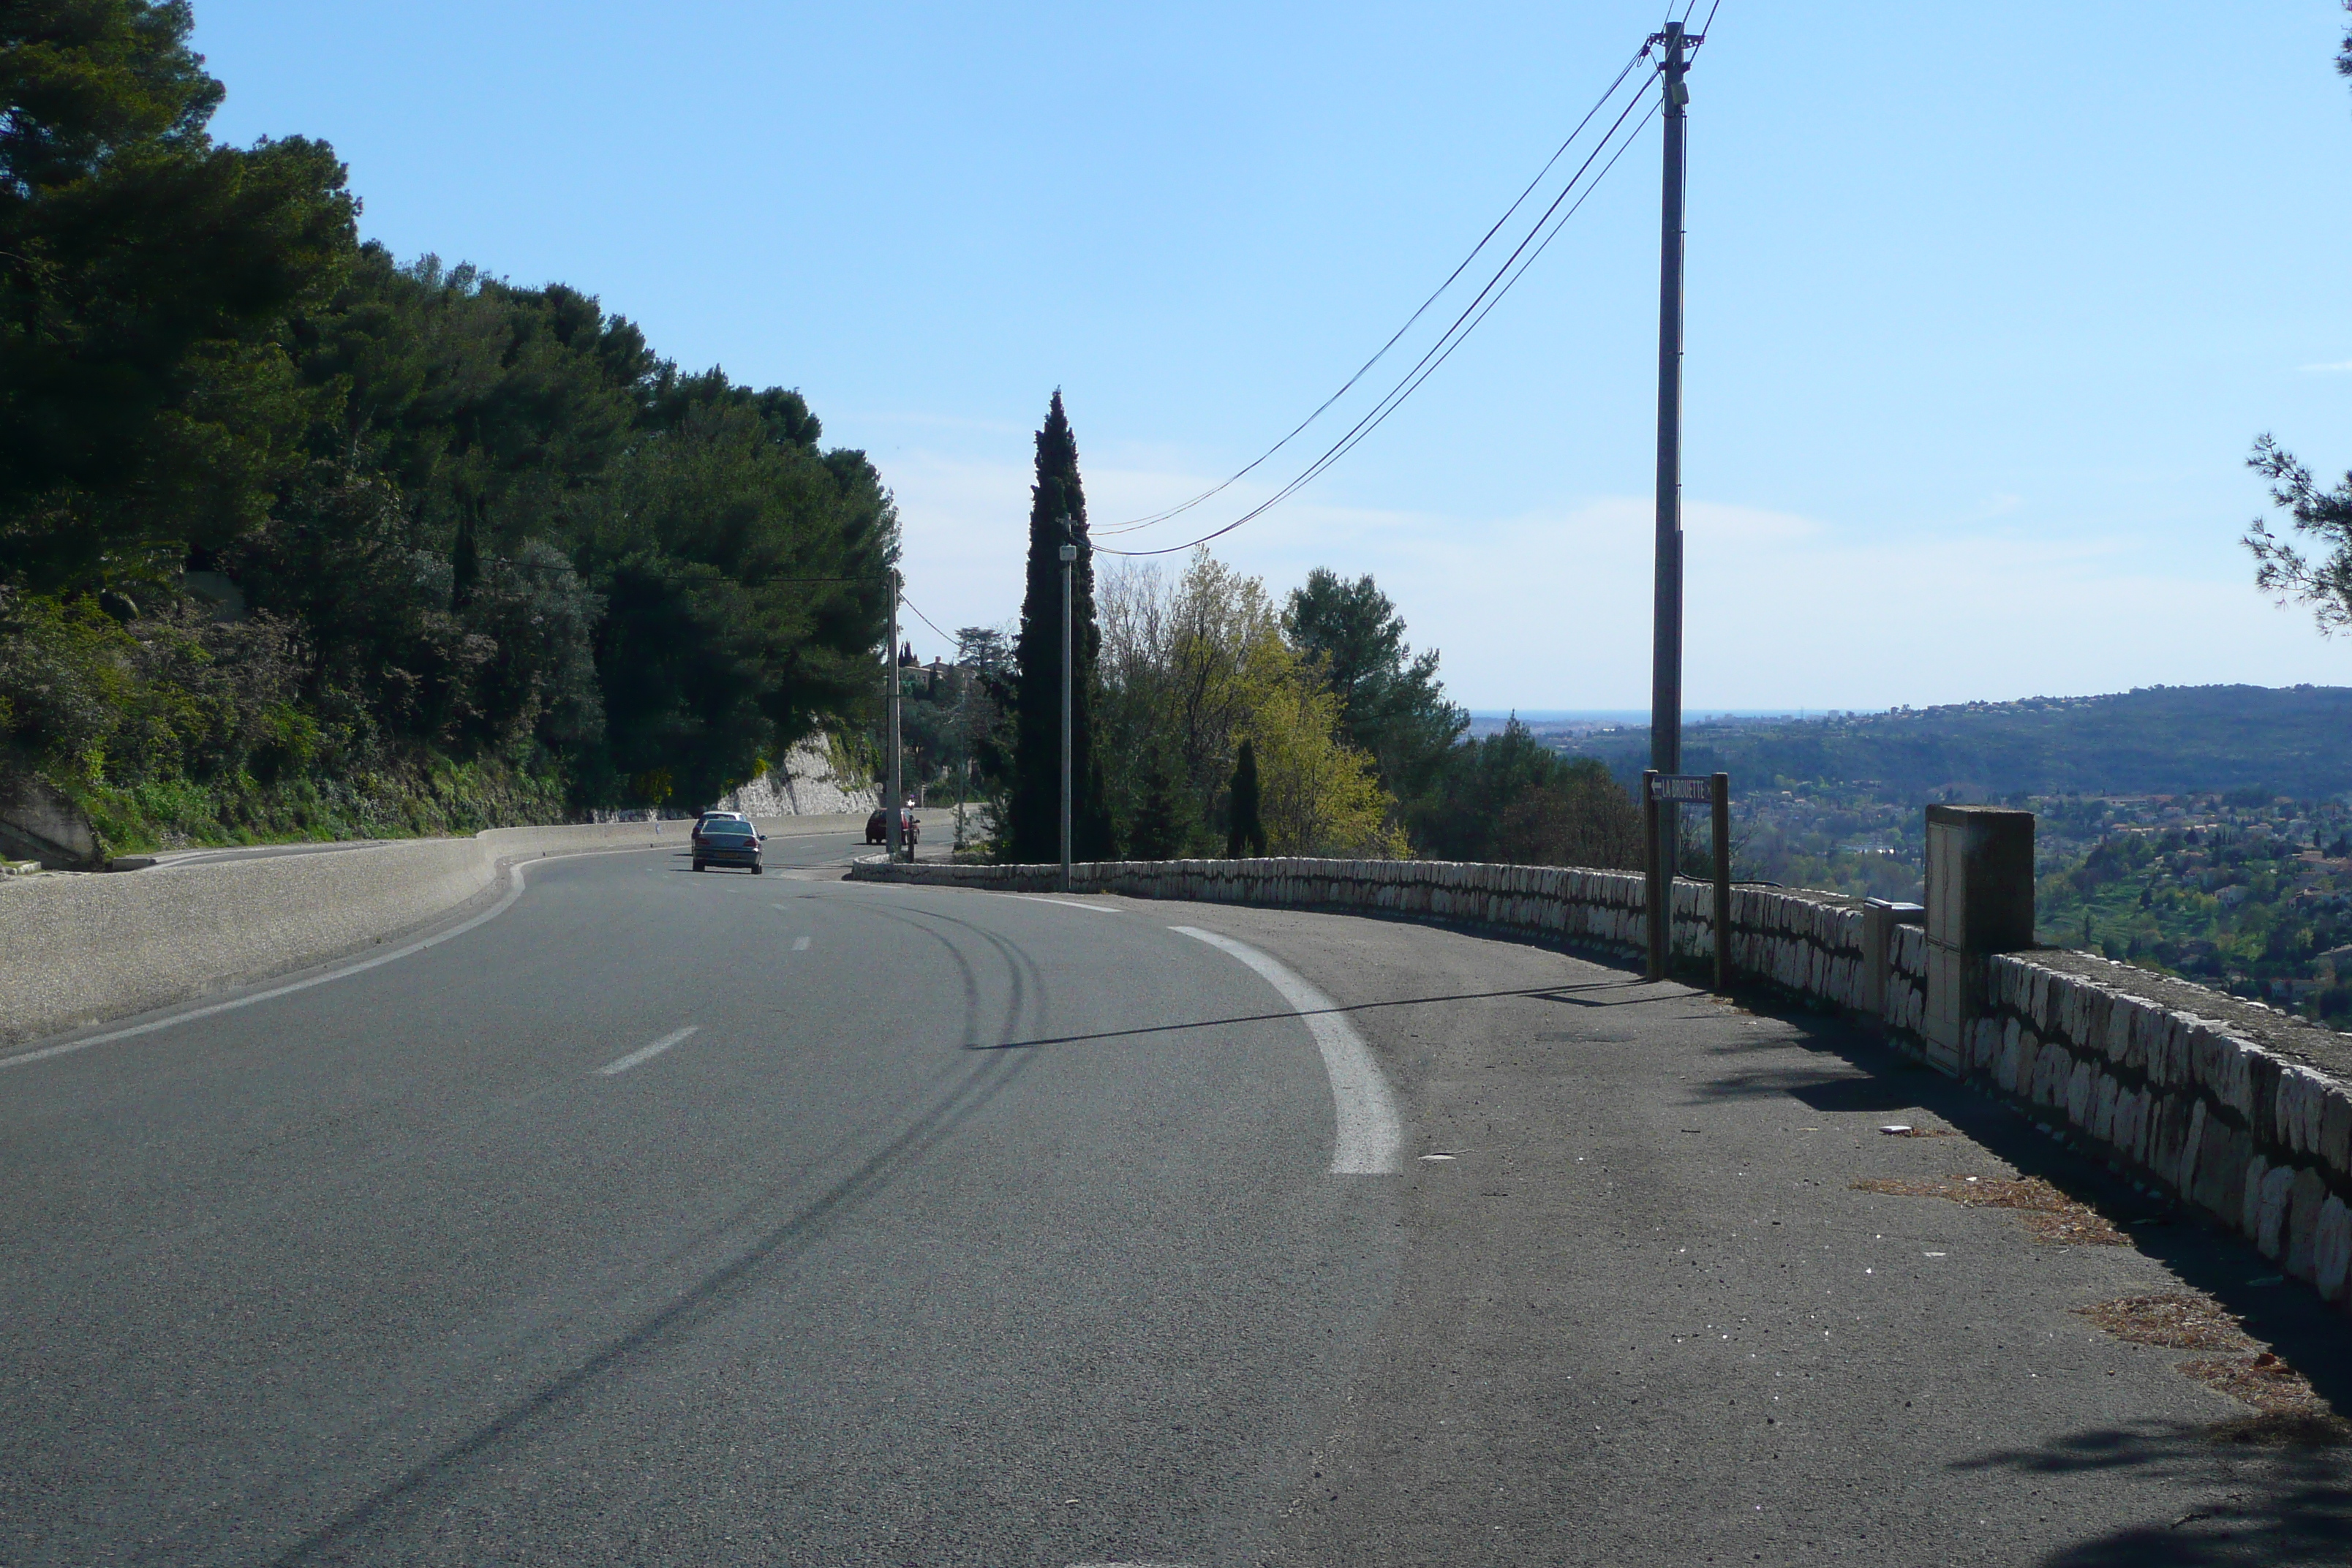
1069 553
964 677
896 828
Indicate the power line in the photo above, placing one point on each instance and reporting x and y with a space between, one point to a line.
952 641
1707 26
1480 306
1603 103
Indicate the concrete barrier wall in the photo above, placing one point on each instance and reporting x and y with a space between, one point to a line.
2257 1136
78 950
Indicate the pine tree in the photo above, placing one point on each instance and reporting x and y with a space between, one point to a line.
1247 831
1033 825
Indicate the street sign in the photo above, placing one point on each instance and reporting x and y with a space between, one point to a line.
1661 840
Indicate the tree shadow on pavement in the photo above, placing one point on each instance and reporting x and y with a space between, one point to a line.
2238 1503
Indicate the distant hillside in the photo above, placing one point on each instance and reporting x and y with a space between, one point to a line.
2175 740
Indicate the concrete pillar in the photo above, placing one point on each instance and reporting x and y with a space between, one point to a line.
1979 902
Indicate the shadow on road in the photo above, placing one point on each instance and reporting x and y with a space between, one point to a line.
1856 1068
1541 993
2238 1503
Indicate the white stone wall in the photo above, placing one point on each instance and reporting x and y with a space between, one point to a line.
2259 1142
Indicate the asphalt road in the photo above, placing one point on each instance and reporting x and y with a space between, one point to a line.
973 1229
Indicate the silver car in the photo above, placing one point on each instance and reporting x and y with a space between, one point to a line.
726 841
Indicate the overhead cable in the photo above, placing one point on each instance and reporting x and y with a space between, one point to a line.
1603 103
955 642
1506 277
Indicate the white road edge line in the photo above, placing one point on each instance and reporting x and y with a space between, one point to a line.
800 944
493 912
1065 903
1371 1139
645 1054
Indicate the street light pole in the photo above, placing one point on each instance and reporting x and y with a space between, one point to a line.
1069 553
963 722
890 662
1666 623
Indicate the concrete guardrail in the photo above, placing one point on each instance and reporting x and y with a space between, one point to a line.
78 950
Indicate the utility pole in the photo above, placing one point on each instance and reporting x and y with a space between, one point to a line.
890 661
1666 623
1069 553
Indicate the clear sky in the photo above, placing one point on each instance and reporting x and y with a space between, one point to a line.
1987 302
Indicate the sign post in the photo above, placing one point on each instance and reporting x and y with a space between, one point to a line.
1657 903
1719 785
1661 849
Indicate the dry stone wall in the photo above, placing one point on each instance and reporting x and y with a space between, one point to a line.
1809 942
2236 1128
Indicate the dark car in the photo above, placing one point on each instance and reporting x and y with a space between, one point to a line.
705 819
726 841
878 827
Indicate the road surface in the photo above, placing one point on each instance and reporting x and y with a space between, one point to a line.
704 1219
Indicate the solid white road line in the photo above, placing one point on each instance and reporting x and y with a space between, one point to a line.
1371 1139
645 1054
1065 903
493 912
800 944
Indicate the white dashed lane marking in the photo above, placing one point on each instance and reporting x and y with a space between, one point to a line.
645 1054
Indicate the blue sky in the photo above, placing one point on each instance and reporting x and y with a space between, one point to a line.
1985 302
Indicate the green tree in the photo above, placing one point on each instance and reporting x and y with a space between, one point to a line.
148 401
1031 832
1190 673
494 409
1511 798
2281 570
1163 823
743 577
1390 699
452 534
1245 830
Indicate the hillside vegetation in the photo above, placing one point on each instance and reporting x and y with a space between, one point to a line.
2176 740
297 539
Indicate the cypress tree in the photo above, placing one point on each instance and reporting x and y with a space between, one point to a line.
1247 831
1034 825
1161 827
